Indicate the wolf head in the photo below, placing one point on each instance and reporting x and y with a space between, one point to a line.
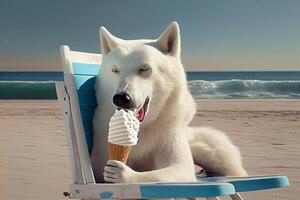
140 75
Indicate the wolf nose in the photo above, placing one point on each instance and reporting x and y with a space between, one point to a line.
123 100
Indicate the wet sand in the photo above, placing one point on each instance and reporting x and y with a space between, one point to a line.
33 153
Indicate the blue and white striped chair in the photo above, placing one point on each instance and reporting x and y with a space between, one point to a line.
77 97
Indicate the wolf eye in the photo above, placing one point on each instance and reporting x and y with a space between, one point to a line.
144 68
115 70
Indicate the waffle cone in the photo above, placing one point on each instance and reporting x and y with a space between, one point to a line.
118 152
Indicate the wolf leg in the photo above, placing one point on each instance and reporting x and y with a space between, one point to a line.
118 172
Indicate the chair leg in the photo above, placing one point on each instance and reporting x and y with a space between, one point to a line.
236 196
209 198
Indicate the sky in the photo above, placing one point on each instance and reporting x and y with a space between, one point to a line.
216 35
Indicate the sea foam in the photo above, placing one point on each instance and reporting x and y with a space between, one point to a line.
239 89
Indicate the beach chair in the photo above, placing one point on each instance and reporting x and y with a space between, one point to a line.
77 98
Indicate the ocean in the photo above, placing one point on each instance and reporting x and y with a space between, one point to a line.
245 85
203 85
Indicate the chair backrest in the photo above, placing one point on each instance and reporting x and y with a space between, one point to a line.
84 68
80 71
85 77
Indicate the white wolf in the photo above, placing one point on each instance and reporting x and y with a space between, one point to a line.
147 76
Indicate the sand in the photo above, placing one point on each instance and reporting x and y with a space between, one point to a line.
267 133
33 153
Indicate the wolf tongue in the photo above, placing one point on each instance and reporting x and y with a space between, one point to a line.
141 114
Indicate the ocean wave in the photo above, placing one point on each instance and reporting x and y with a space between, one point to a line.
26 82
27 90
239 89
217 89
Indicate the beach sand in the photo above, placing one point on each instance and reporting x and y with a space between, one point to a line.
34 161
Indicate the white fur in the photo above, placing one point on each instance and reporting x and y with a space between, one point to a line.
163 152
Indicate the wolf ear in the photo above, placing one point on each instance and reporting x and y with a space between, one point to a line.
169 40
108 41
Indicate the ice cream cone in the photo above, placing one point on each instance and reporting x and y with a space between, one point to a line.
118 152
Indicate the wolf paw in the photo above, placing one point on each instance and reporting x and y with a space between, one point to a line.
117 172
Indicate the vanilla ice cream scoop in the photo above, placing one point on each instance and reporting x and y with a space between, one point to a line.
123 128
